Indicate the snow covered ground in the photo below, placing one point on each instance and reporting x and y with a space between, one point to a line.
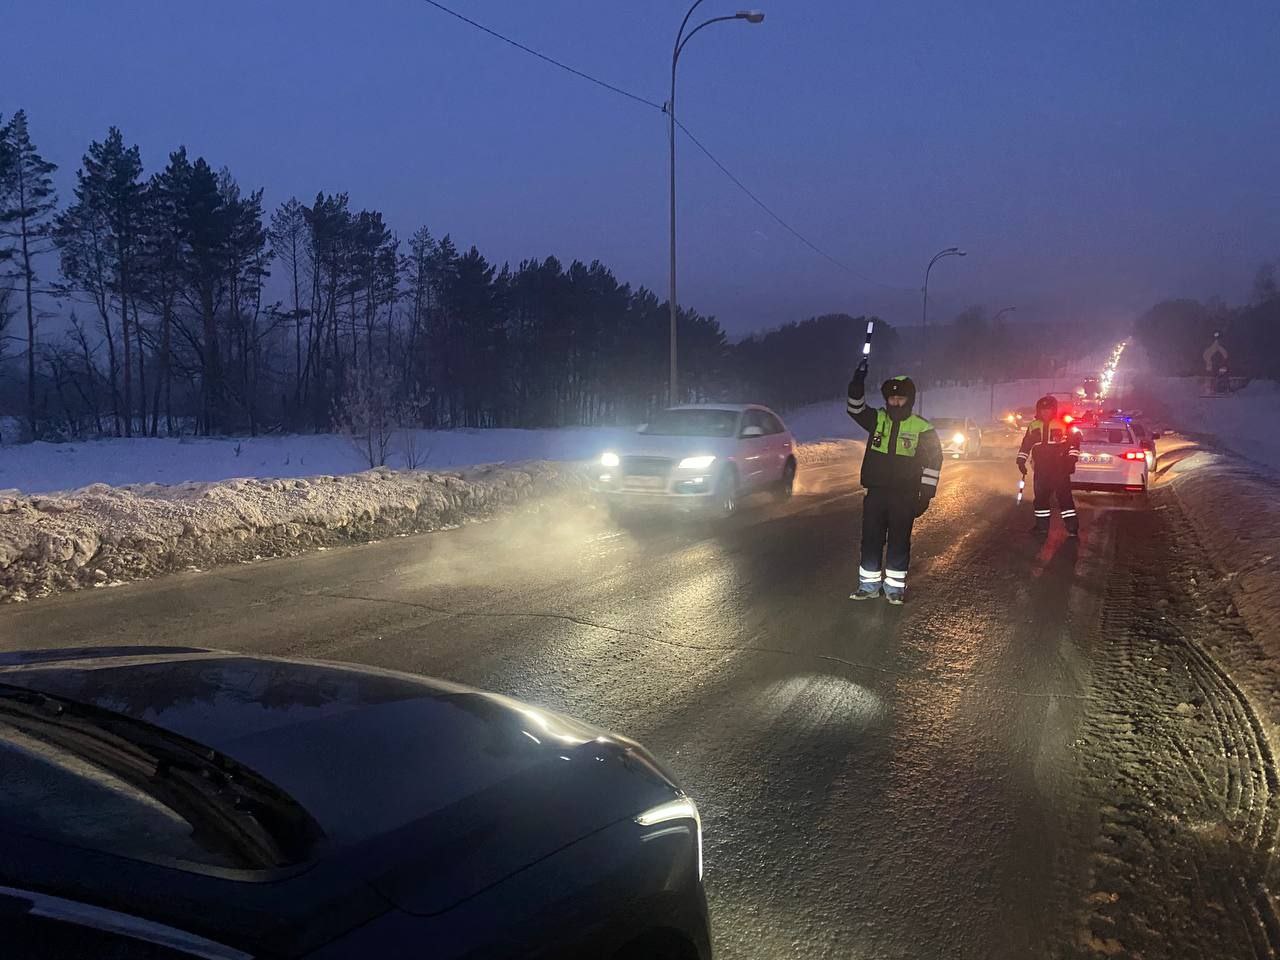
101 534
47 467
37 468
1246 423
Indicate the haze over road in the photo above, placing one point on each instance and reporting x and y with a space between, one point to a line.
875 781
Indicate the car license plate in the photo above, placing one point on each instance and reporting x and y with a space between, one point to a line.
1095 458
645 483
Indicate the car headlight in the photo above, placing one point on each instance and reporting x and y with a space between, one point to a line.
609 460
959 438
681 808
696 463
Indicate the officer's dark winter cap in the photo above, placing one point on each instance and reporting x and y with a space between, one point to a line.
899 387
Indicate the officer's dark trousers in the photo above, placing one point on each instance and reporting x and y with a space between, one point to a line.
887 517
1055 483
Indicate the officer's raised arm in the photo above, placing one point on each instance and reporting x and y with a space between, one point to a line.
862 414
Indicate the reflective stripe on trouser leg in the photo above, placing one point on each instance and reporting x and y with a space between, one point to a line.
897 555
1067 513
868 576
1044 513
875 527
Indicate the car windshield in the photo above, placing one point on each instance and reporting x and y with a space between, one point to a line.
693 423
1104 435
947 423
104 780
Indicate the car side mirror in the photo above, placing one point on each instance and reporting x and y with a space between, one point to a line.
752 432
1156 435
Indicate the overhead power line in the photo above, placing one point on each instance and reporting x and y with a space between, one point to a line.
637 98
542 56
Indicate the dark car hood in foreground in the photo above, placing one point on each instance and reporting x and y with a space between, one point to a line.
449 788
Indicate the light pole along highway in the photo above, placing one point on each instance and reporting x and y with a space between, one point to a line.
991 412
924 322
748 16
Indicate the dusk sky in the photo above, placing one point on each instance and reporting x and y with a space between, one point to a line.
1092 157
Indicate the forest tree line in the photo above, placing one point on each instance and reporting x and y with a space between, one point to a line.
165 325
1176 333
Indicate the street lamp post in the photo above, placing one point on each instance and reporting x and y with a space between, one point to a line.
749 16
991 414
924 322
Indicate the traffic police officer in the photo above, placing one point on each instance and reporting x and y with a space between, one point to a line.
900 472
1053 448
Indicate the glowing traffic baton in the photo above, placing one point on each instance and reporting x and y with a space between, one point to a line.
866 344
1021 485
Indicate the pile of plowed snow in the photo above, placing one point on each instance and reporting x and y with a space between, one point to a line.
1231 504
101 534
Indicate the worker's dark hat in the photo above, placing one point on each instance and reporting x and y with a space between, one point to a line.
899 387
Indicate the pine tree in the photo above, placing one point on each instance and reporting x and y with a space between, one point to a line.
288 234
161 268
27 202
98 238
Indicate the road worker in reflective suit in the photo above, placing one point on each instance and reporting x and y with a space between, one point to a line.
900 472
1053 448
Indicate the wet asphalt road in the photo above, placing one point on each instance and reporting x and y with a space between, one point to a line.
875 781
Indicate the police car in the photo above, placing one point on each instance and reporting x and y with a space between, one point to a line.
1111 457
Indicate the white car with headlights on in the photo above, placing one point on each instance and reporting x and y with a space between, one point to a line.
1111 458
701 456
960 436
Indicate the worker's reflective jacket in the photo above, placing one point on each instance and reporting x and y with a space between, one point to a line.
904 455
1051 445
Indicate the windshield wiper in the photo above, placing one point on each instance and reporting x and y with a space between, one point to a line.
230 808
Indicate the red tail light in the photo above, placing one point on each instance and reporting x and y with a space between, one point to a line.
1134 455
1068 419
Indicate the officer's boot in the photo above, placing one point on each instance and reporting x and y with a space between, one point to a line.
867 590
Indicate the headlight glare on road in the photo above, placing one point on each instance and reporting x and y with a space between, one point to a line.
609 460
697 463
681 808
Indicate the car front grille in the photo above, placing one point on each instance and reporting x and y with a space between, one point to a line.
646 466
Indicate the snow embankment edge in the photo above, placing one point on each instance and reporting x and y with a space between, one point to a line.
102 535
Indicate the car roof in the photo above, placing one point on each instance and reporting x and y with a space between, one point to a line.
727 407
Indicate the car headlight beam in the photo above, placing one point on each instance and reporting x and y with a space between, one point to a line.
959 438
609 459
681 808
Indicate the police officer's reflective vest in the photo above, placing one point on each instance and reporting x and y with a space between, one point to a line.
1051 445
907 443
903 456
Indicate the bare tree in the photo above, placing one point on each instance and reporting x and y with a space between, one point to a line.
364 413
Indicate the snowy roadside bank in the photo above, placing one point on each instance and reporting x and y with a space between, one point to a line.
1228 504
101 535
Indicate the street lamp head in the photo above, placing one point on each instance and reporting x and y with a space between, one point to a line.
751 16
961 253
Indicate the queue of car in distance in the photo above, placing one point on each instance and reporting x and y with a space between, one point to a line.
699 456
172 802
